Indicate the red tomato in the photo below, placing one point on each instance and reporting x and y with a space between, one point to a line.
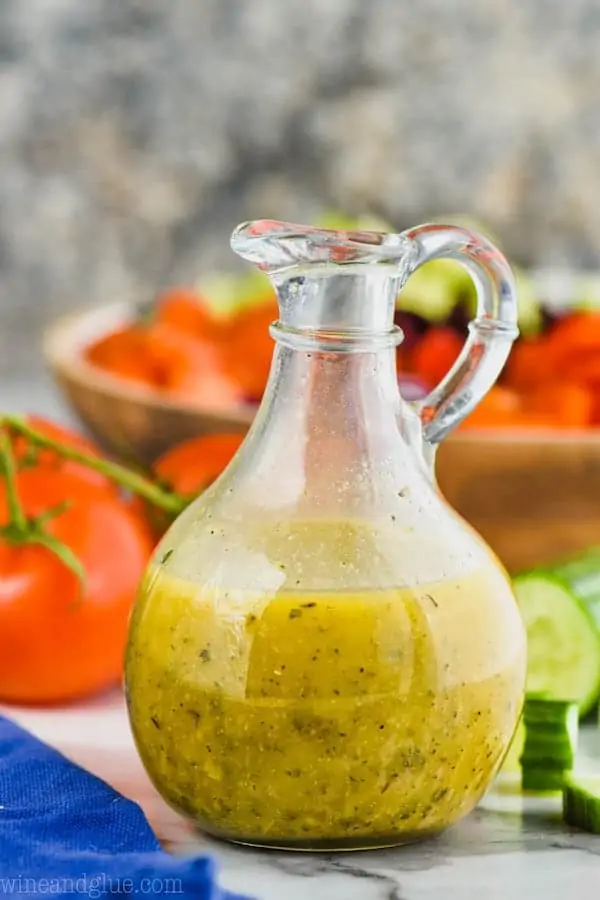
191 466
184 309
190 368
248 349
58 640
569 406
435 354
124 354
498 409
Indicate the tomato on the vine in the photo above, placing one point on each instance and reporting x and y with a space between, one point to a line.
61 638
187 469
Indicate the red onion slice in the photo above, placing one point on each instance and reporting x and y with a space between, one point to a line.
411 387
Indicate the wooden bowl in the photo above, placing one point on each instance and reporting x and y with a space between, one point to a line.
132 421
535 498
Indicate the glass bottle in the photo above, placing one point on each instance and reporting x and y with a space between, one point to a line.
323 655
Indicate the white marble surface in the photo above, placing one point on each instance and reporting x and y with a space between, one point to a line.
503 851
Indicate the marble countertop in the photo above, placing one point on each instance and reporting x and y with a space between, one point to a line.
508 848
505 849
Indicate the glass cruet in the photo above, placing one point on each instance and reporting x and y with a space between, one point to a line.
323 654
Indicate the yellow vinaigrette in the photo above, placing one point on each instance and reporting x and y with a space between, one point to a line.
362 717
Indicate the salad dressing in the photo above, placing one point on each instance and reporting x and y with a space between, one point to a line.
330 717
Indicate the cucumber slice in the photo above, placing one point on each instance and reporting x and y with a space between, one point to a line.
546 756
551 715
433 291
581 802
543 780
583 577
227 295
557 746
587 288
529 308
548 711
551 731
563 638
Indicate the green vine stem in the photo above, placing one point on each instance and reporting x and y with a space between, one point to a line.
21 530
168 501
16 513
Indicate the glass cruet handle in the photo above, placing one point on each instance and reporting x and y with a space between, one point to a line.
491 332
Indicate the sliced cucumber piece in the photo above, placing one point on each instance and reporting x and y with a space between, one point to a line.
587 288
227 294
543 780
550 746
543 707
581 802
583 577
548 756
433 291
529 307
563 638
551 715
550 723
551 732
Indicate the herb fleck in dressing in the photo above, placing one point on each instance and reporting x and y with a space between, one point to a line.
325 719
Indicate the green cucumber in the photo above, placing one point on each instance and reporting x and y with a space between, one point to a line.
551 722
546 710
529 308
545 756
561 612
581 802
550 745
230 294
544 780
433 291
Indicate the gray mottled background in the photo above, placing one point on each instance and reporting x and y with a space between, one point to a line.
134 134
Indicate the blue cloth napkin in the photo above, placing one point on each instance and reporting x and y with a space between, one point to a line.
64 832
